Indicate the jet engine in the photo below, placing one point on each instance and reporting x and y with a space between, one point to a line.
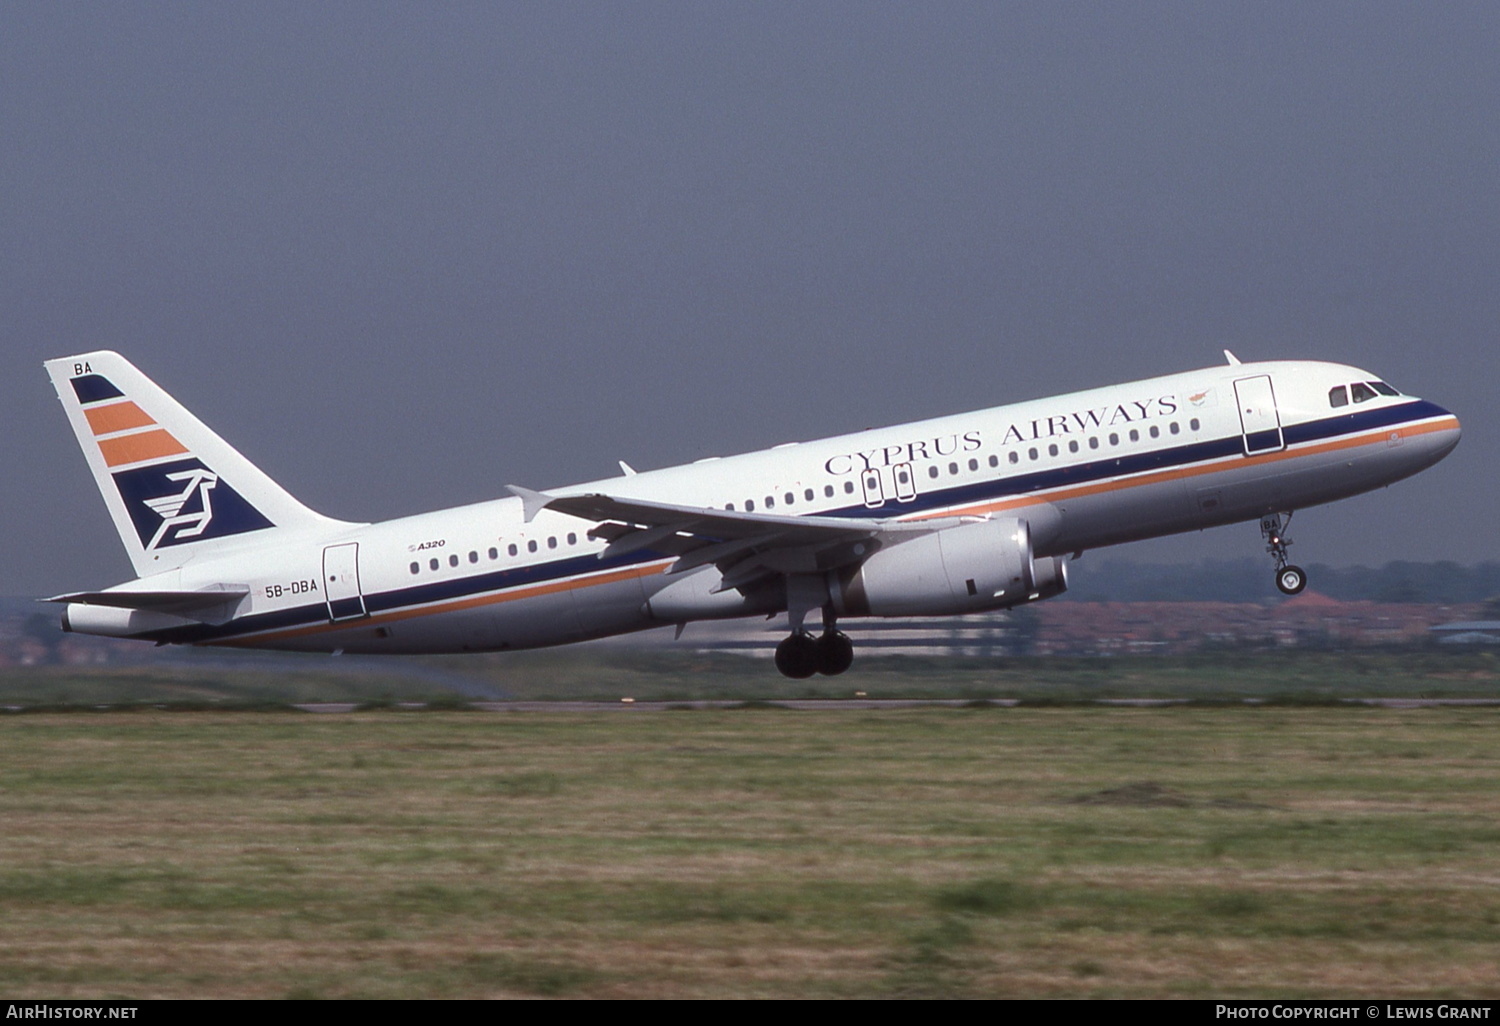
966 569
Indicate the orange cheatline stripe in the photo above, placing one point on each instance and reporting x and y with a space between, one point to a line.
1365 438
148 445
452 607
106 420
1349 442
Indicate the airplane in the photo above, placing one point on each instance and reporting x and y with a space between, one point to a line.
942 517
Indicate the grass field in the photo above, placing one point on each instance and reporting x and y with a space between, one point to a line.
1068 851
207 679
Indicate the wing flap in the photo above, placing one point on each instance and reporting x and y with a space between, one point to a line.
746 547
720 523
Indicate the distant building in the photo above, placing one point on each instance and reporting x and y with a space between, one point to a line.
1468 632
1310 620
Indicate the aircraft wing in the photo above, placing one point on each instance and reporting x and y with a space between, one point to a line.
744 546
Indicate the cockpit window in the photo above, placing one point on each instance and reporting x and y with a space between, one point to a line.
1362 392
1383 388
1338 396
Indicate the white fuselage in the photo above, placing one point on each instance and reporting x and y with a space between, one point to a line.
1092 468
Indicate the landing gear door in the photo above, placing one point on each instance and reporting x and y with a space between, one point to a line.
1259 420
341 582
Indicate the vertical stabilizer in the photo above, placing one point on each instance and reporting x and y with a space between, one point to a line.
174 488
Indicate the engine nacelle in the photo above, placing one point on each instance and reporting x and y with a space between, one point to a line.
1049 577
966 569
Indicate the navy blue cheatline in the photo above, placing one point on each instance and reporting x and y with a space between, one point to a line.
1014 486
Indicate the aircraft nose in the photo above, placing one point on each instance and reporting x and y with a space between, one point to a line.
1447 435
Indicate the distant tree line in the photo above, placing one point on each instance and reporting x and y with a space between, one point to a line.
1249 580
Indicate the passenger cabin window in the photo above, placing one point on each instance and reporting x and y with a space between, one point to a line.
1362 392
415 567
494 553
511 548
1338 396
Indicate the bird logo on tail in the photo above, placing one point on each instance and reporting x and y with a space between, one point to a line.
169 507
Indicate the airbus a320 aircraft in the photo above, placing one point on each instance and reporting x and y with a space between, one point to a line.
940 517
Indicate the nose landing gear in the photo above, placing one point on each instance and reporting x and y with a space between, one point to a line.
1290 580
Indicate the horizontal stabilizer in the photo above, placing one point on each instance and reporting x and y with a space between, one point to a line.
213 606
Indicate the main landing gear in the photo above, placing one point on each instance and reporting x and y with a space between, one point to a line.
1289 579
801 655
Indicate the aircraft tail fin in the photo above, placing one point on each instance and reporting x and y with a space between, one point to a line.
174 488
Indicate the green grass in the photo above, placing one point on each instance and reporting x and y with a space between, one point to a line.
1071 851
1234 675
181 680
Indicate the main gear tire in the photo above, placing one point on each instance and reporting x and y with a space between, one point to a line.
835 653
797 656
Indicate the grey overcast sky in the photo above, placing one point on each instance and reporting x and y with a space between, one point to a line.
401 254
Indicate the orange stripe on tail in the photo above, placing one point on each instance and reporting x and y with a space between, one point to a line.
148 445
106 420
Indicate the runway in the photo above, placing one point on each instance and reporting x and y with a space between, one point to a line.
871 704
